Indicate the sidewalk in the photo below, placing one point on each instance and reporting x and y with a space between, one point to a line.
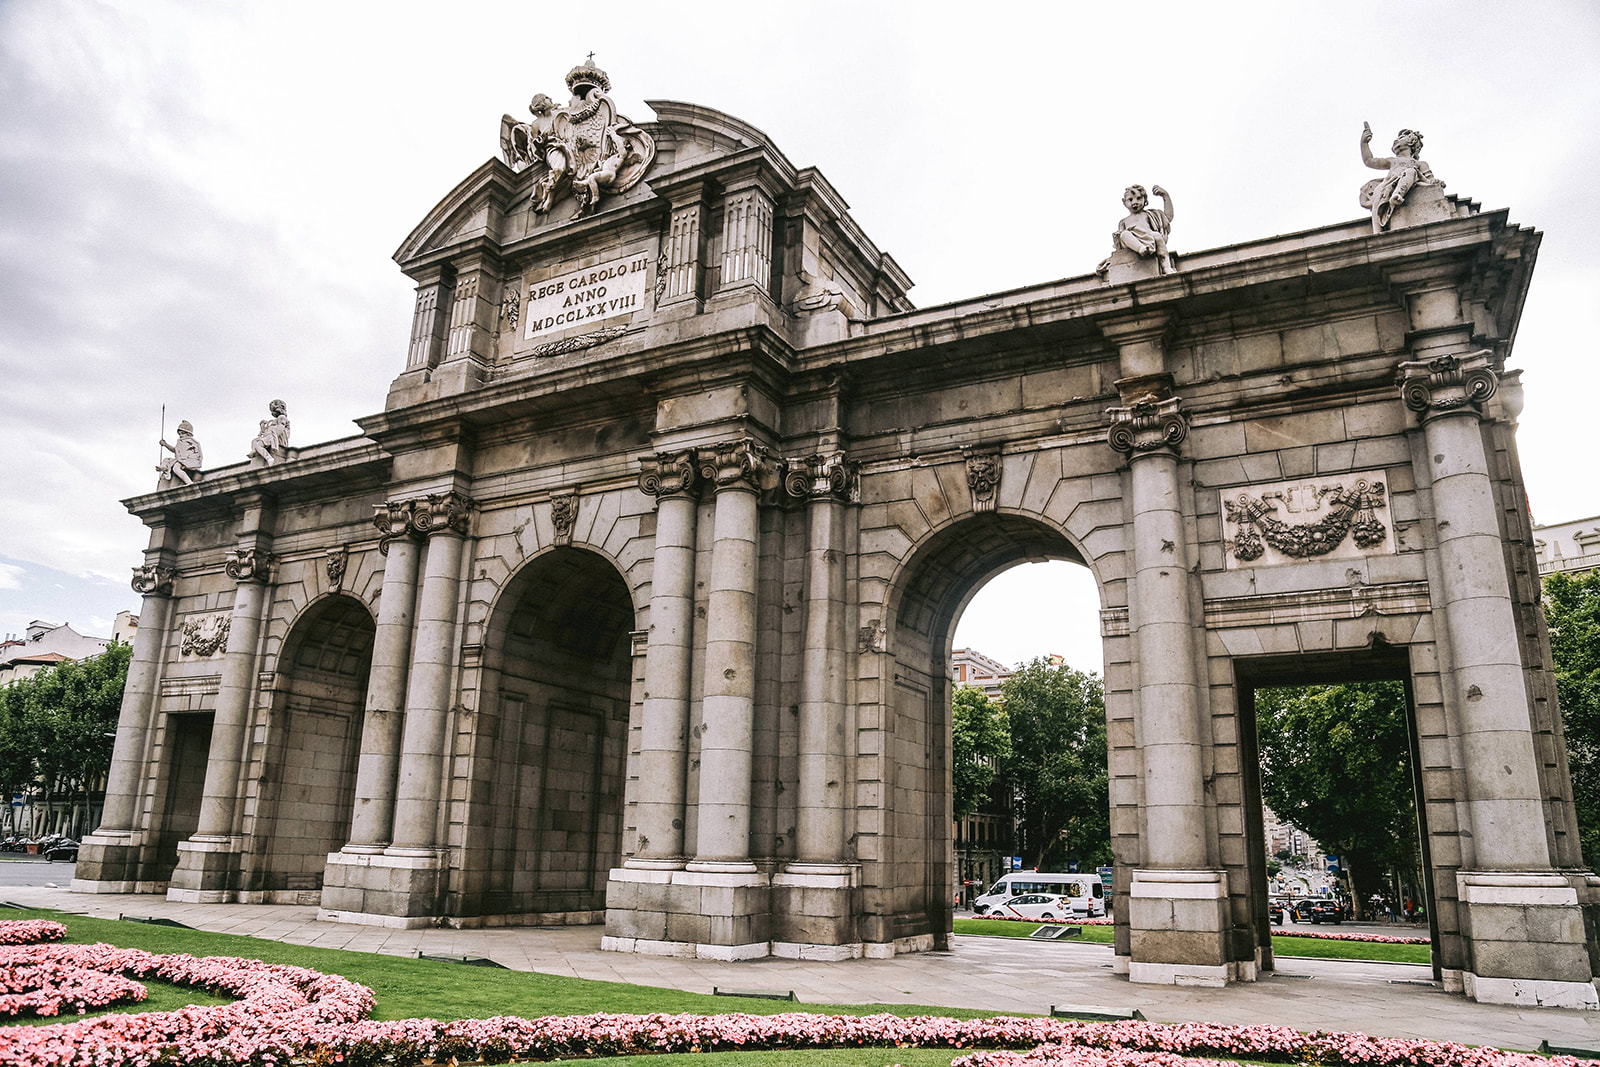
992 974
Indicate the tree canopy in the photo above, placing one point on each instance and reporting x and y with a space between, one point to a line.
1334 763
1057 764
1572 610
981 741
57 728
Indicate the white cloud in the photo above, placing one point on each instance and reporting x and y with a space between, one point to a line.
10 576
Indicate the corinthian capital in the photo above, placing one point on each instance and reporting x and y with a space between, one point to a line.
823 477
1147 425
249 565
738 465
394 519
670 474
442 513
152 579
1447 384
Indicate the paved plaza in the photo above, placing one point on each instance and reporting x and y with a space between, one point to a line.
994 974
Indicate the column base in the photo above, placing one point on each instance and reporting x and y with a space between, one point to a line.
706 914
1525 940
814 911
207 871
109 861
383 889
1178 923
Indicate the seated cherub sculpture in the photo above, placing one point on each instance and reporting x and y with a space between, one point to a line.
271 444
1405 168
1145 230
184 466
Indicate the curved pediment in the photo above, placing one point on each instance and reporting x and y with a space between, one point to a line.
473 209
514 197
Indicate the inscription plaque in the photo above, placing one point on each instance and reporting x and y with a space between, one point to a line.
586 296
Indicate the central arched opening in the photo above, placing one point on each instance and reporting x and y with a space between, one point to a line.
548 783
947 572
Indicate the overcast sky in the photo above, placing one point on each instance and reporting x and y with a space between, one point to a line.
198 201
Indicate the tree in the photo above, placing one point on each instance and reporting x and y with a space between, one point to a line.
1057 764
57 729
1333 762
1572 610
981 740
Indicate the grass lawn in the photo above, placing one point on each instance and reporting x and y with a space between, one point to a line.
408 989
162 996
1282 944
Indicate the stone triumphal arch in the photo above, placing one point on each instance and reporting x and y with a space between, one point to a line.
634 605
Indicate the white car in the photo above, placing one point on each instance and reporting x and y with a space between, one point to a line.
1032 906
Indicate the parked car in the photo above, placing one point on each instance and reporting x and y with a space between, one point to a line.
1315 910
1275 912
66 849
1033 906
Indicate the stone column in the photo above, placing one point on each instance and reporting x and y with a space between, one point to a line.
814 913
208 861
1169 714
728 704
372 823
108 859
1524 928
444 518
1177 901
826 482
674 480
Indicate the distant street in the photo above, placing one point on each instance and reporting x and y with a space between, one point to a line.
31 870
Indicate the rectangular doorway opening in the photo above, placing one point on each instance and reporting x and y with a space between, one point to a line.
1333 797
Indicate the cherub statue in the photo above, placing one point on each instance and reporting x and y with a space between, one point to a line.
184 466
1145 230
272 443
615 154
1405 170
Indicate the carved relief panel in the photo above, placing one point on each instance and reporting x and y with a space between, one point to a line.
1342 516
205 635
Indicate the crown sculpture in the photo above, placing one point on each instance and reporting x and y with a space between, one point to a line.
586 148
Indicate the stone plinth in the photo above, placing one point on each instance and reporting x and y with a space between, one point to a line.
108 862
381 890
1179 921
207 871
701 914
1527 940
814 912
1126 266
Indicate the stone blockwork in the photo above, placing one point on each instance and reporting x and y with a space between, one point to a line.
643 615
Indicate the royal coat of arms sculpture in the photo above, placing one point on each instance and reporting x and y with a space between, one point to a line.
586 148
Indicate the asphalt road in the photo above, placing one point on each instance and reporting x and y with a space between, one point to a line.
31 870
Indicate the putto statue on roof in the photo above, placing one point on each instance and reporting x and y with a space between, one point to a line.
586 148
1144 231
1405 171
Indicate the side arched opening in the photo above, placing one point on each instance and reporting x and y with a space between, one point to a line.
308 788
547 786
915 895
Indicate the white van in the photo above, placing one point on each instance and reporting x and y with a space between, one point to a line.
1085 893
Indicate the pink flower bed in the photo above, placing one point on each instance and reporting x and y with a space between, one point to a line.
30 931
291 1013
49 987
1381 939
